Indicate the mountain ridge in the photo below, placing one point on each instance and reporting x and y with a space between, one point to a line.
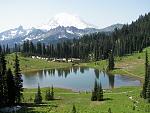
9 36
61 26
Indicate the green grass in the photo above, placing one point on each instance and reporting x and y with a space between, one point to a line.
117 99
29 64
127 65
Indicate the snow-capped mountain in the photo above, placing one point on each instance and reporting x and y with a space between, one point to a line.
66 20
62 26
13 33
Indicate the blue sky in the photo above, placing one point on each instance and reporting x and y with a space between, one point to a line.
101 13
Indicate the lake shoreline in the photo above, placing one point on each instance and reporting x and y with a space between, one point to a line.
69 78
84 91
115 71
83 65
30 65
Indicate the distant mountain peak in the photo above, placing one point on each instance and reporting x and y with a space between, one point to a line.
20 27
66 20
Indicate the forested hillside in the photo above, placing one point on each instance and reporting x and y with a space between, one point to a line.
131 38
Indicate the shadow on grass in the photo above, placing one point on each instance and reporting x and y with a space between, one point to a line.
56 99
117 68
106 99
30 107
44 104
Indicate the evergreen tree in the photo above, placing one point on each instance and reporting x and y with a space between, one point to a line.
52 93
16 48
5 89
39 48
3 79
1 82
18 80
146 76
95 86
38 97
48 95
148 92
11 87
111 61
1 49
109 110
100 93
93 97
94 92
3 64
74 109
1 90
7 49
97 93
32 48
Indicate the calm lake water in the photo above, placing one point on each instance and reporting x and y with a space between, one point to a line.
76 78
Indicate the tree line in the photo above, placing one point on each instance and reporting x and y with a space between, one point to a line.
10 83
131 38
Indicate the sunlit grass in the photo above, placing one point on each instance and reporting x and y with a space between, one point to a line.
117 99
29 64
127 65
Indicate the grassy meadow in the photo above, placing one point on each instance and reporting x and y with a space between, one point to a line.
120 100
30 64
132 65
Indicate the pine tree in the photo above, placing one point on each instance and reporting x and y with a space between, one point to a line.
93 97
148 92
95 86
7 49
0 49
94 92
1 82
109 110
3 79
3 64
5 89
146 76
48 95
52 93
100 93
1 90
18 80
11 87
74 109
38 97
97 93
111 61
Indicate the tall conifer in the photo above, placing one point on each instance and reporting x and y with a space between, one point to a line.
148 92
146 76
3 79
18 80
11 87
38 97
111 63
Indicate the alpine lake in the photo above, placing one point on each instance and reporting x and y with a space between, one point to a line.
76 78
